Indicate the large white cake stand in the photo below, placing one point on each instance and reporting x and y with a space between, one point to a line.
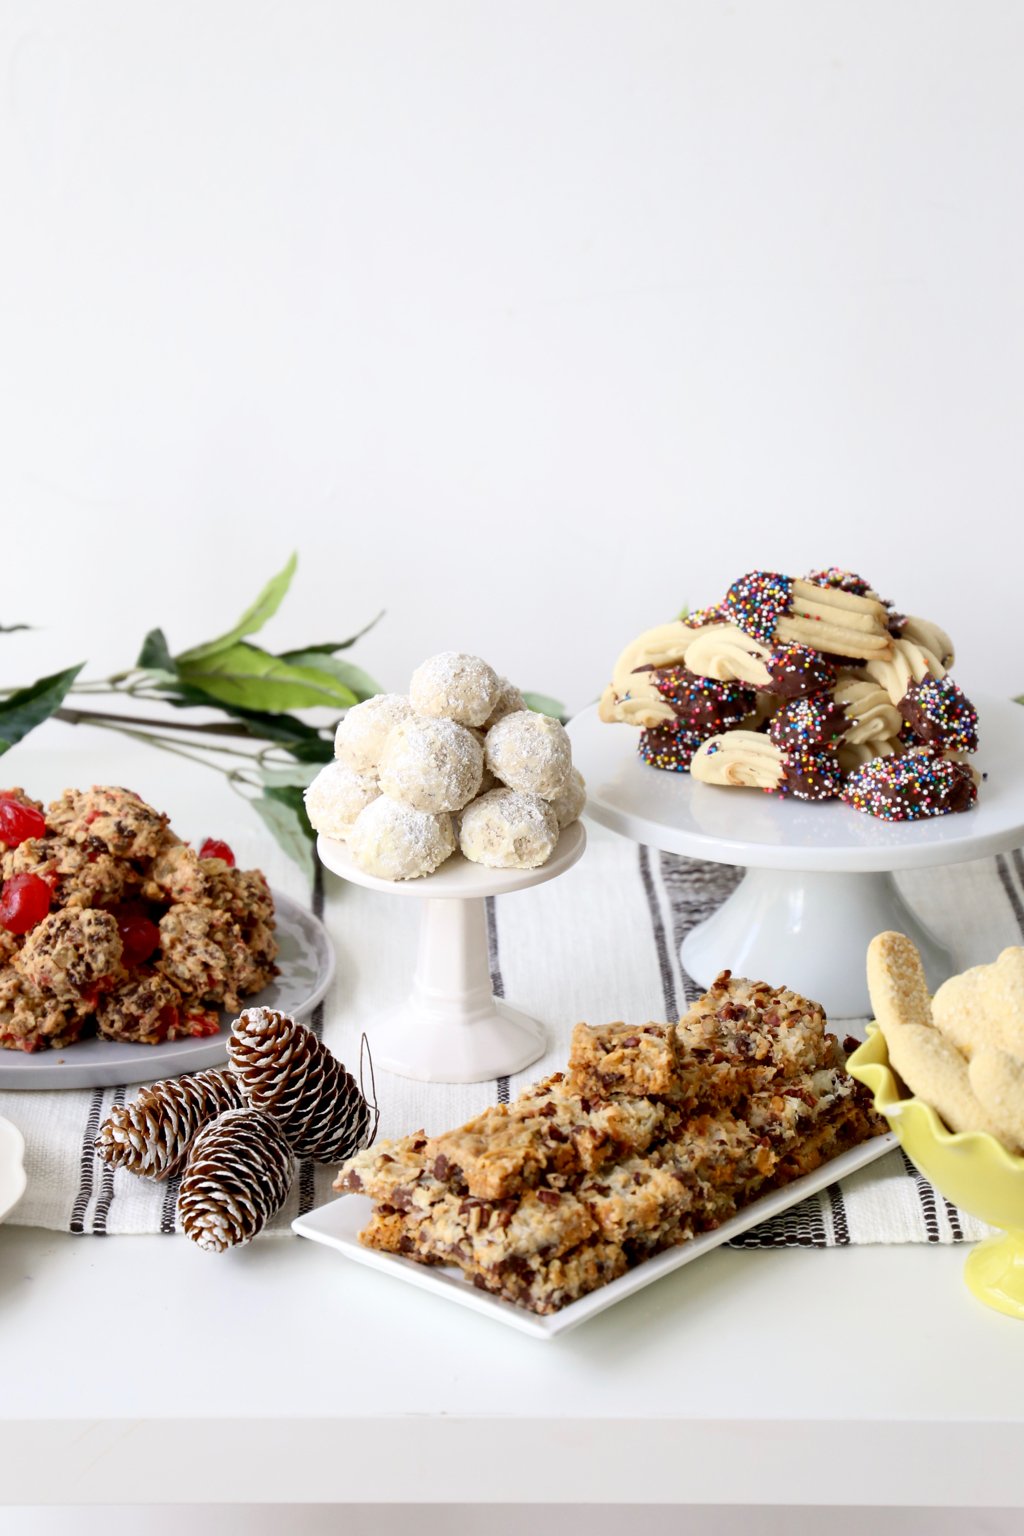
453 1029
819 882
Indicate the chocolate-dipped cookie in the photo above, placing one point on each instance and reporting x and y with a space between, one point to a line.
940 714
670 747
702 704
808 725
797 671
911 788
811 775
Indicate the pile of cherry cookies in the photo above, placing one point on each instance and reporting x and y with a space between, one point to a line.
814 688
458 762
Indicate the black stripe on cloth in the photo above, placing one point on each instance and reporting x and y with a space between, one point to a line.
954 1220
840 1225
105 1198
307 1167
497 981
170 1204
803 1226
695 889
87 1163
668 986
1011 890
926 1195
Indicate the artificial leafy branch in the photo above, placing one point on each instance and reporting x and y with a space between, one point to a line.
263 748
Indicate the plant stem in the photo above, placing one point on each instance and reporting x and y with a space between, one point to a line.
164 745
97 717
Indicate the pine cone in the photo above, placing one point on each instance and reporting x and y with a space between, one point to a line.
238 1175
287 1072
151 1134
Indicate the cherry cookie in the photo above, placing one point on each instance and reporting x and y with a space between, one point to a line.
911 788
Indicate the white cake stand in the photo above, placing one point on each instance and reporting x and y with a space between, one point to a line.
819 881
453 1029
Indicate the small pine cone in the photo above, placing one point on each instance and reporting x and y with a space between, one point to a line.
151 1134
288 1073
238 1175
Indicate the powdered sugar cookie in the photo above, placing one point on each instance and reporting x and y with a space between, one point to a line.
509 702
396 842
431 764
505 829
337 795
455 686
568 806
531 753
361 735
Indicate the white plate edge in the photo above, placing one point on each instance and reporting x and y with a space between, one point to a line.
446 1284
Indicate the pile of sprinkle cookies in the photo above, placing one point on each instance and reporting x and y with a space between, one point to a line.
458 762
813 687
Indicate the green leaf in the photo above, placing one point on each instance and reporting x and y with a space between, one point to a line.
254 617
246 676
155 655
684 613
284 823
319 750
21 712
544 705
290 795
282 727
9 629
330 646
298 777
344 672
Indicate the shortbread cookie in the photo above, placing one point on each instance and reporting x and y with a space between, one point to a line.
747 759
930 637
997 1080
361 735
507 829
431 764
568 806
984 1005
397 842
774 608
844 581
702 705
909 662
934 1071
869 713
941 715
729 654
851 755
531 753
337 795
911 787
455 686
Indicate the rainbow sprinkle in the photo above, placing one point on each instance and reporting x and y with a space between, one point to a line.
757 601
941 715
670 747
910 788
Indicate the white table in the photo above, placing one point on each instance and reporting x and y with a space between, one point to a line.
138 1369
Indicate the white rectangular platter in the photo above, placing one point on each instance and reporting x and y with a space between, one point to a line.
338 1224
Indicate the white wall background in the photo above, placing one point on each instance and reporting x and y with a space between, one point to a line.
526 321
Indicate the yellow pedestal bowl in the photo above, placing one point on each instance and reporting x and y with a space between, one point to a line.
970 1168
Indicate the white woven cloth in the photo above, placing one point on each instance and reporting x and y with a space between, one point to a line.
599 943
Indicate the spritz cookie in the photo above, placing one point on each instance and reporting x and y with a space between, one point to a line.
431 764
506 829
455 686
396 842
360 737
531 753
337 795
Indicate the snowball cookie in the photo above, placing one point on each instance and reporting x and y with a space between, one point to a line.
455 686
530 752
568 806
508 830
510 700
361 735
396 842
432 765
337 795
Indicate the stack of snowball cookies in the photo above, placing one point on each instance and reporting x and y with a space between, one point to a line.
459 762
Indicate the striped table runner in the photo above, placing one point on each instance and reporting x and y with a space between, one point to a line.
599 943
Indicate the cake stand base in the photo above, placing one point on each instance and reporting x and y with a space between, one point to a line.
452 1029
809 931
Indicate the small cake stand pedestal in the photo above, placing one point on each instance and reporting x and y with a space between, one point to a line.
819 878
452 1029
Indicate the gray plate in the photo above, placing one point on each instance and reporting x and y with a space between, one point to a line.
306 959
